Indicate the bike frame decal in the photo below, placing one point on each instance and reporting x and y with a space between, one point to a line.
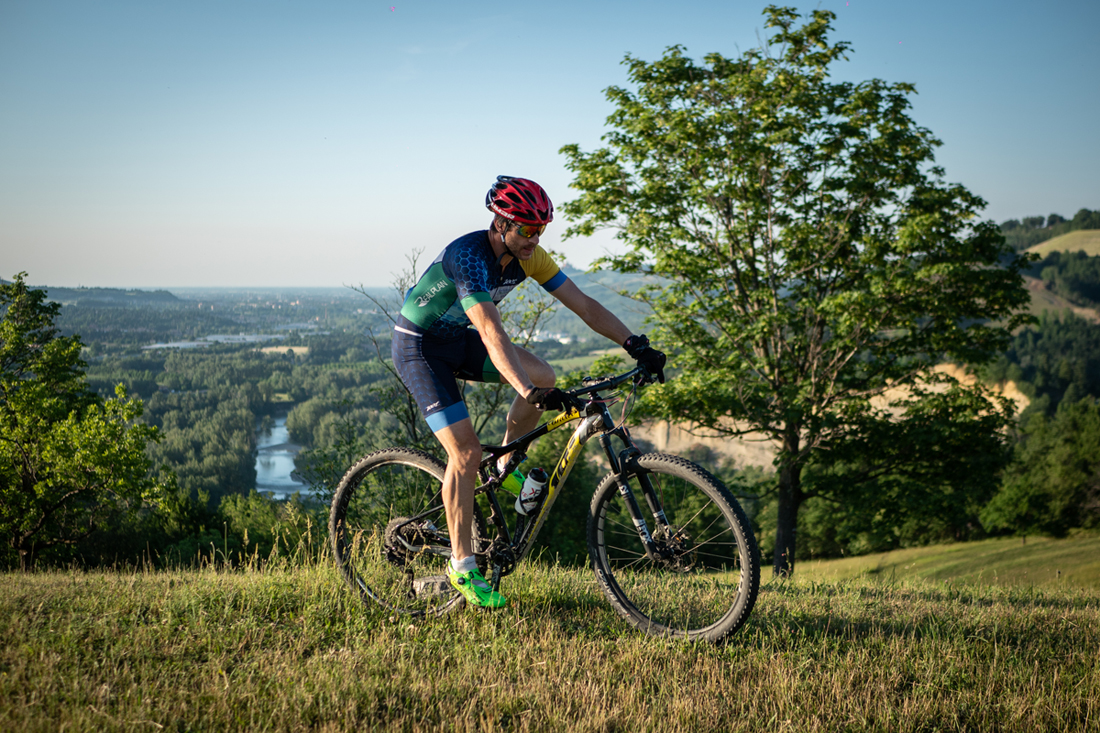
562 419
561 471
568 458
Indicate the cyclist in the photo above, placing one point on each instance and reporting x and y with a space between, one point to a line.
433 344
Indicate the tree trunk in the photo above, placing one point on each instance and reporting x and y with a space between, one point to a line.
26 559
790 499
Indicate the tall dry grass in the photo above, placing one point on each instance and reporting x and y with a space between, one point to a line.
288 647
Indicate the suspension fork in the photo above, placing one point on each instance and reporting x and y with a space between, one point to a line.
620 468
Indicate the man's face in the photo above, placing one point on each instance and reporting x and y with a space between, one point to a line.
522 248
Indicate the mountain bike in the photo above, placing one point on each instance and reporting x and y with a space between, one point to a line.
685 566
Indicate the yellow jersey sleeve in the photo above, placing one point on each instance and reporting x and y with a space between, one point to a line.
544 270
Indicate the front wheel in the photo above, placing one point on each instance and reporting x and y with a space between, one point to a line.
388 530
701 579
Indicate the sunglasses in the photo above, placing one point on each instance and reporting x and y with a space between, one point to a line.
530 230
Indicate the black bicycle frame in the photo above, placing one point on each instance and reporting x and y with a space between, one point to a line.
596 420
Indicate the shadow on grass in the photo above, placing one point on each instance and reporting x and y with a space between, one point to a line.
789 616
1018 597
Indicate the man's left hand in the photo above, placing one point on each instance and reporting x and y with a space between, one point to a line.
549 398
654 361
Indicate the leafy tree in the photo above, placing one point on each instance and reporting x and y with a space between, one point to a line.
68 460
1053 485
1085 219
808 254
911 481
1032 231
1057 360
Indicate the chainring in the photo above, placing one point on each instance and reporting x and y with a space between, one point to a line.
406 538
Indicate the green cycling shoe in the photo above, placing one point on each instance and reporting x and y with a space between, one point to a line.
475 589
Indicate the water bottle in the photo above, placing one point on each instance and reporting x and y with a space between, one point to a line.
532 491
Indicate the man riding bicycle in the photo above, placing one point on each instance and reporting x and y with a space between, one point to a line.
434 345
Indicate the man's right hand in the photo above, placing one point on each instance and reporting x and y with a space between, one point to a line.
549 398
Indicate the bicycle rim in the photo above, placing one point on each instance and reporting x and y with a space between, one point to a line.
388 530
704 585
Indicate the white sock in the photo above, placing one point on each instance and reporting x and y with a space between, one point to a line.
465 565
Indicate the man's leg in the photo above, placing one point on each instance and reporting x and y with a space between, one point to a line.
463 456
427 369
523 417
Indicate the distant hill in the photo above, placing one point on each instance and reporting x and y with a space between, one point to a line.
108 296
1043 299
603 286
1087 240
1036 562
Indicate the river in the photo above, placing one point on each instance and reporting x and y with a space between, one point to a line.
275 462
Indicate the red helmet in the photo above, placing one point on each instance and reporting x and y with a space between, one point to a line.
520 200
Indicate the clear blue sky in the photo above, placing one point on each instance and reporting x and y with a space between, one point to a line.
313 142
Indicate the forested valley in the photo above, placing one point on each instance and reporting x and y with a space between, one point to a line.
215 368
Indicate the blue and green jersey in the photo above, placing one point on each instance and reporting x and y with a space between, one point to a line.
464 274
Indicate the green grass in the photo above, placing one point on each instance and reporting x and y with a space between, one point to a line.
289 648
581 362
572 363
1043 300
1082 239
1035 561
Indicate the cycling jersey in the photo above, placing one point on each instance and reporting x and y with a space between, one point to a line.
433 341
466 273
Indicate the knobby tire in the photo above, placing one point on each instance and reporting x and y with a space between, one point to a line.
704 584
387 560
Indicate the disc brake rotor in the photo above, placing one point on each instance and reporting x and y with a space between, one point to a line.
678 552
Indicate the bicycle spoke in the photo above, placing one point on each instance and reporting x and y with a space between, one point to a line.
699 575
389 532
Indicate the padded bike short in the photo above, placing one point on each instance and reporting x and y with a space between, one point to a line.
431 368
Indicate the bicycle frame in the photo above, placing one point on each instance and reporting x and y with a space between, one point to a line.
595 420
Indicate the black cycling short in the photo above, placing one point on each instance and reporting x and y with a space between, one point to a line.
431 368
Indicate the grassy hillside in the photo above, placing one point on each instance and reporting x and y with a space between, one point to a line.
1046 300
289 648
1083 239
1036 561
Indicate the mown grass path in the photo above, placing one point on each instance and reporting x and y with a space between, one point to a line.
290 649
1043 562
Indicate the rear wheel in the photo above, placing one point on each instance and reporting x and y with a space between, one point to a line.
701 583
388 530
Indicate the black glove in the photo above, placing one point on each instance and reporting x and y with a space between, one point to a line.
549 398
654 361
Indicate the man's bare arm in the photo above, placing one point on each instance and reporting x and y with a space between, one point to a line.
592 312
486 319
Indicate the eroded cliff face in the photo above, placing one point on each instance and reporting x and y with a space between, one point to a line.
756 450
1007 389
751 450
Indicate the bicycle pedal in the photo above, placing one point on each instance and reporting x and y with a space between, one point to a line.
431 586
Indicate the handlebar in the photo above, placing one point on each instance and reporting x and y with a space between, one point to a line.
591 385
